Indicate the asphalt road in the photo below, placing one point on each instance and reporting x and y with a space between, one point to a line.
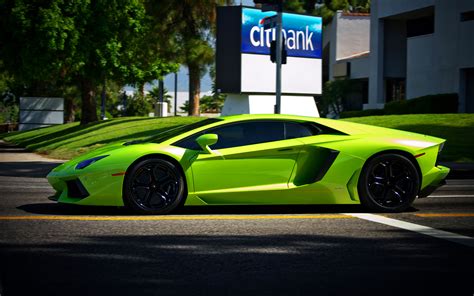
51 249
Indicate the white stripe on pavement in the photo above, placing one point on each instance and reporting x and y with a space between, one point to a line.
451 195
452 237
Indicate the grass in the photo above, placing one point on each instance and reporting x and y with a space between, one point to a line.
69 140
457 129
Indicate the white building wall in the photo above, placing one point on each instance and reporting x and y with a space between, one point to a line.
434 63
420 61
352 35
360 68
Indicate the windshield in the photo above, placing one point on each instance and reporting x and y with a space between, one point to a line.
161 137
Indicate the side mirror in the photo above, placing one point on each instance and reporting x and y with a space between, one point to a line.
204 141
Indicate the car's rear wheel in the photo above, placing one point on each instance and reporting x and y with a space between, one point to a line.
153 186
388 183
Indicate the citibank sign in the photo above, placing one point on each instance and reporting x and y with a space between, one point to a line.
302 34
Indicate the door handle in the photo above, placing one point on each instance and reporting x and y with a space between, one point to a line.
284 149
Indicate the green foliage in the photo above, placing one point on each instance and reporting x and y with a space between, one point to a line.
154 95
8 113
335 93
328 8
430 104
191 26
452 127
361 113
212 104
69 140
139 106
439 103
80 42
185 107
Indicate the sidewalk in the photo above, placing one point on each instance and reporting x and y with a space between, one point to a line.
17 162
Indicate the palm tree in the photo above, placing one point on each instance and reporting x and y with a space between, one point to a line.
190 25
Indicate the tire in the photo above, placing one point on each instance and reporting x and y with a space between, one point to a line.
153 186
388 183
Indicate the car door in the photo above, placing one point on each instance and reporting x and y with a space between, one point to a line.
249 157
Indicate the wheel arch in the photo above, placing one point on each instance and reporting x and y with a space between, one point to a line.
399 152
164 157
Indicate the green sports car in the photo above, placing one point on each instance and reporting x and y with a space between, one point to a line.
257 159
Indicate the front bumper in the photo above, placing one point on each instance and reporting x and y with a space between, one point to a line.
94 188
437 178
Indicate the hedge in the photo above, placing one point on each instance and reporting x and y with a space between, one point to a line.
440 103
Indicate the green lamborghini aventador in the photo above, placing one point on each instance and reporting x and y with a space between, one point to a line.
257 159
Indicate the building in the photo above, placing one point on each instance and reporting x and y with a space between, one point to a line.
346 43
416 48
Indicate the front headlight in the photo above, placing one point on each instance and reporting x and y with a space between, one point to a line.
88 162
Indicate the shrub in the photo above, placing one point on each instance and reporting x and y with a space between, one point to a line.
440 103
361 113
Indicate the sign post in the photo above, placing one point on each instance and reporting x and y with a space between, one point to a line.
278 62
270 22
247 69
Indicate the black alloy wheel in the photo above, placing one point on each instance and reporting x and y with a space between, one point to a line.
389 183
153 186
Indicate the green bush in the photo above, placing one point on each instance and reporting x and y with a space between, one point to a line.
440 103
138 106
361 113
78 114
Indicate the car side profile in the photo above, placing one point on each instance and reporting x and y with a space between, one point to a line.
257 159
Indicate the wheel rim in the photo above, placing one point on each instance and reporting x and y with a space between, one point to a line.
155 186
392 183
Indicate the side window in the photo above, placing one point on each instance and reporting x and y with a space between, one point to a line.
248 133
299 130
239 134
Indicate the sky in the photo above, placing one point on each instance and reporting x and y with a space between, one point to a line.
183 77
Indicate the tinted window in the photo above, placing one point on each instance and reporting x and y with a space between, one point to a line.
298 130
161 137
239 134
248 133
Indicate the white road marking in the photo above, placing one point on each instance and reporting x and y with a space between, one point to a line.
452 237
451 195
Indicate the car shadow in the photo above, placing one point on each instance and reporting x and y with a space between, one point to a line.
66 209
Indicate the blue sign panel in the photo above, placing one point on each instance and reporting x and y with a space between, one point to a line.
302 34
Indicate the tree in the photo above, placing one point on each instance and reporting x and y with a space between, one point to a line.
193 25
82 42
335 94
328 8
154 93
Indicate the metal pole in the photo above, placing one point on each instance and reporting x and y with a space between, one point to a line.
176 94
161 91
278 61
102 105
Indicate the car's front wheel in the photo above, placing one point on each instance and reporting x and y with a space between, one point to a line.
153 186
388 183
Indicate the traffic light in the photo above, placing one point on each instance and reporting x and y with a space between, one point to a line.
273 51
